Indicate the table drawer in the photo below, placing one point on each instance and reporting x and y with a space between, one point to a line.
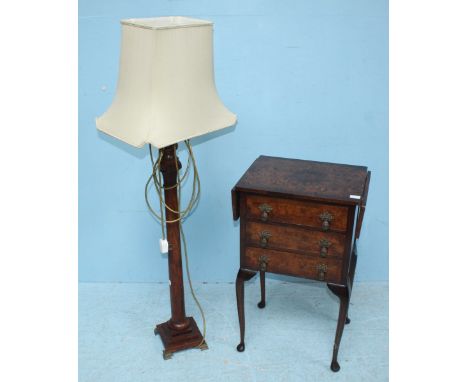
281 237
290 211
293 264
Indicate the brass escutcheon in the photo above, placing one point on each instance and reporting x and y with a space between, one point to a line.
324 245
263 262
265 209
326 217
322 269
264 236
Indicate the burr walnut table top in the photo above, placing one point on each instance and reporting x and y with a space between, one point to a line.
305 179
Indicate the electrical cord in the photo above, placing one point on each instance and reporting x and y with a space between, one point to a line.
159 187
156 176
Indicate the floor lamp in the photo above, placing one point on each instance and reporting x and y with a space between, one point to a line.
166 94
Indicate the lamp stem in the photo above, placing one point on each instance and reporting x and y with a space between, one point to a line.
179 332
170 166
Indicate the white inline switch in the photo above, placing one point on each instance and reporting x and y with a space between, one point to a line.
163 245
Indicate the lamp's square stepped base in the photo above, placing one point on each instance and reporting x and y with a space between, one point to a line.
176 340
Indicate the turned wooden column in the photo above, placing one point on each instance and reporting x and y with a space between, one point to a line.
170 166
179 332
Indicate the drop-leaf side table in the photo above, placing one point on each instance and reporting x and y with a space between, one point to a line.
300 218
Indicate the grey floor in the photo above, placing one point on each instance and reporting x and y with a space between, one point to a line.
290 340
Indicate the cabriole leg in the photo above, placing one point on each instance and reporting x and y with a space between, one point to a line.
343 293
242 276
352 270
261 304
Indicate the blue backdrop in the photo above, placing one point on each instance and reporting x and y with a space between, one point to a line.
308 79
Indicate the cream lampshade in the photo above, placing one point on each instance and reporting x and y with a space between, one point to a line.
166 94
166 91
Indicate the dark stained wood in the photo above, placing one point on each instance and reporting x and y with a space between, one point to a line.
362 206
352 270
179 339
287 237
262 302
349 243
170 165
235 204
179 332
343 293
242 276
282 204
293 264
304 179
298 212
352 267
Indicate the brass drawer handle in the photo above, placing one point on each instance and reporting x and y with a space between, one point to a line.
265 209
326 218
263 262
322 270
264 236
324 245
